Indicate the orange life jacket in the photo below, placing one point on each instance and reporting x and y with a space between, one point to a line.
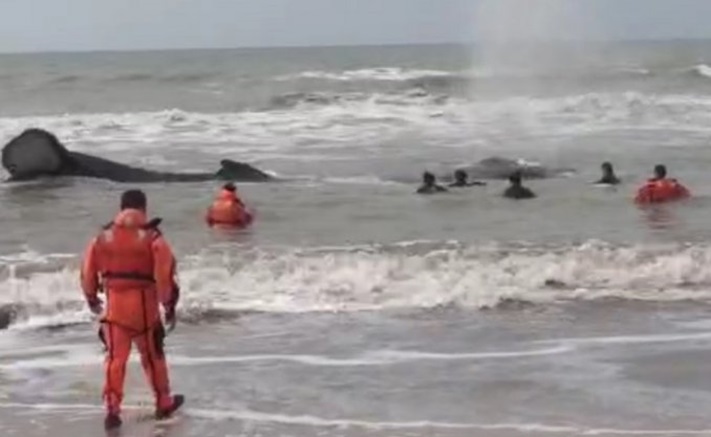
228 210
661 190
125 256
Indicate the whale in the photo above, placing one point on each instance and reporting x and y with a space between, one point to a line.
497 167
36 153
492 168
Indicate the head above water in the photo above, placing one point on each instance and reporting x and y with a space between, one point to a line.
660 171
607 168
428 178
229 187
515 178
34 153
134 199
460 176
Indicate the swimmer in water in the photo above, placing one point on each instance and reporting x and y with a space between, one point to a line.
660 188
608 175
429 185
228 210
516 190
461 180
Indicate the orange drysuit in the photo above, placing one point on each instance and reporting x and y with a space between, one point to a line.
661 190
228 210
134 266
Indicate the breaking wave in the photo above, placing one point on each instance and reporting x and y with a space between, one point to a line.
405 75
702 70
239 84
423 275
406 98
397 74
341 120
376 74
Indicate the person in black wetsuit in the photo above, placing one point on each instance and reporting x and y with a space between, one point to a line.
460 180
516 190
429 185
608 175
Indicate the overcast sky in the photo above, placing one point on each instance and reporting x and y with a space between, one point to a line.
45 25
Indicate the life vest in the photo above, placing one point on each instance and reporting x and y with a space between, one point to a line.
228 210
661 190
125 255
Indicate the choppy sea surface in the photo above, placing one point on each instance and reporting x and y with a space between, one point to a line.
354 306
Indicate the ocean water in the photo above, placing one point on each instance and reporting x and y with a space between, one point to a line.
353 306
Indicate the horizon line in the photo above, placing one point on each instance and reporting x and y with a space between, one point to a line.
350 45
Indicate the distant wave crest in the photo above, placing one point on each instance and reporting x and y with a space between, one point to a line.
702 70
376 74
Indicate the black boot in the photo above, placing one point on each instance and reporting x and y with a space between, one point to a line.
112 421
178 401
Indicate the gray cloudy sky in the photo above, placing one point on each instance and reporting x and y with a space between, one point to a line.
31 25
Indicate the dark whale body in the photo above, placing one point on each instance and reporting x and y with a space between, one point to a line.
501 168
37 153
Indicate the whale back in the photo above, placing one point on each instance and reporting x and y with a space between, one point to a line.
35 152
501 168
233 170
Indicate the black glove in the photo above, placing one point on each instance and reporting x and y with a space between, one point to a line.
95 305
170 319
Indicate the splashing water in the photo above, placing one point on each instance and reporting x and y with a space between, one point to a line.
528 34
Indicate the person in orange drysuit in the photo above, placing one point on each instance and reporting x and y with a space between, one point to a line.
228 210
134 266
661 189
